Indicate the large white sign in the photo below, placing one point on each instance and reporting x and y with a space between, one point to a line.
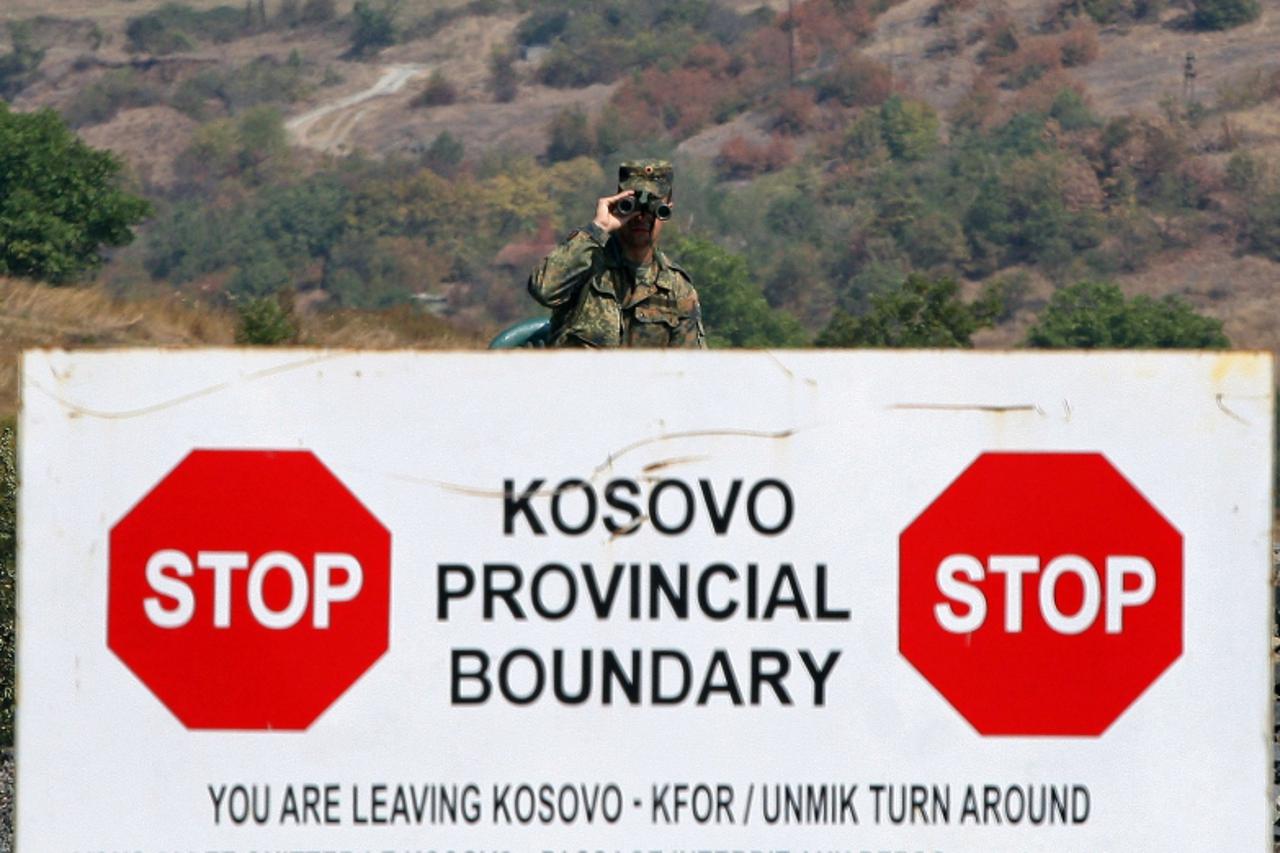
283 600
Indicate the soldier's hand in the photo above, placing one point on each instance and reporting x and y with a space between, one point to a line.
607 218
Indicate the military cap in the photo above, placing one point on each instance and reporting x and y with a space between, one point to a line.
653 176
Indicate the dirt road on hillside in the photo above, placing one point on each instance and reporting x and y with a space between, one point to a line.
328 127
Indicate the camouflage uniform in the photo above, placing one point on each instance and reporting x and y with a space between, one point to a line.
601 299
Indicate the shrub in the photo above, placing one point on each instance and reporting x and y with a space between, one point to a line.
920 312
794 112
318 11
1262 233
569 136
18 67
149 34
1079 46
597 61
1070 110
741 158
264 81
175 27
856 81
260 273
910 128
445 154
372 28
439 91
504 83
1244 173
266 321
119 89
679 102
289 14
1096 315
1225 14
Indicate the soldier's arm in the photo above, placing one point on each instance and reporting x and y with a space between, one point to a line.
561 273
555 281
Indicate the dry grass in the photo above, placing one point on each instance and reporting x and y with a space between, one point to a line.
34 315
37 315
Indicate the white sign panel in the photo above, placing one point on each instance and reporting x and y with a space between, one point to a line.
283 600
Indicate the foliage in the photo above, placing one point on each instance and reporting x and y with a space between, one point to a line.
569 136
444 155
1096 315
1225 14
252 147
920 312
18 67
595 42
372 28
439 91
734 310
266 321
1262 234
855 81
176 27
910 128
318 11
504 82
741 158
118 89
441 16
60 200
8 580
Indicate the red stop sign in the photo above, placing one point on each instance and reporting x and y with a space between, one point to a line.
248 589
1041 594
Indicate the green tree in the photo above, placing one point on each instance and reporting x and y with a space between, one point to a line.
445 154
18 66
439 91
734 310
921 312
568 136
318 11
1096 315
1262 225
504 82
266 321
373 28
1225 14
60 200
910 128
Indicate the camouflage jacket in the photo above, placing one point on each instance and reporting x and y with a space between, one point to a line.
596 301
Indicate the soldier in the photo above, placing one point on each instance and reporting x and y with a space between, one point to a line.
609 285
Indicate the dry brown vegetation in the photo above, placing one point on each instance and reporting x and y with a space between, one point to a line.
39 316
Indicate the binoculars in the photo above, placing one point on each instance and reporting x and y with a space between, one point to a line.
643 202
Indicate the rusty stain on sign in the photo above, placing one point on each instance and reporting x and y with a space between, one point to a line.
75 410
969 407
607 464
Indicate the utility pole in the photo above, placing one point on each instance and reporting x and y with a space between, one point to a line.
1189 78
791 43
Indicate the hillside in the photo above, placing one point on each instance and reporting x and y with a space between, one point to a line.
439 185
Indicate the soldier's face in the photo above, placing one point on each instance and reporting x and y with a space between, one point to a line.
641 231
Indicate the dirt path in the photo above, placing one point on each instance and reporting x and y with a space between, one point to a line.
328 126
